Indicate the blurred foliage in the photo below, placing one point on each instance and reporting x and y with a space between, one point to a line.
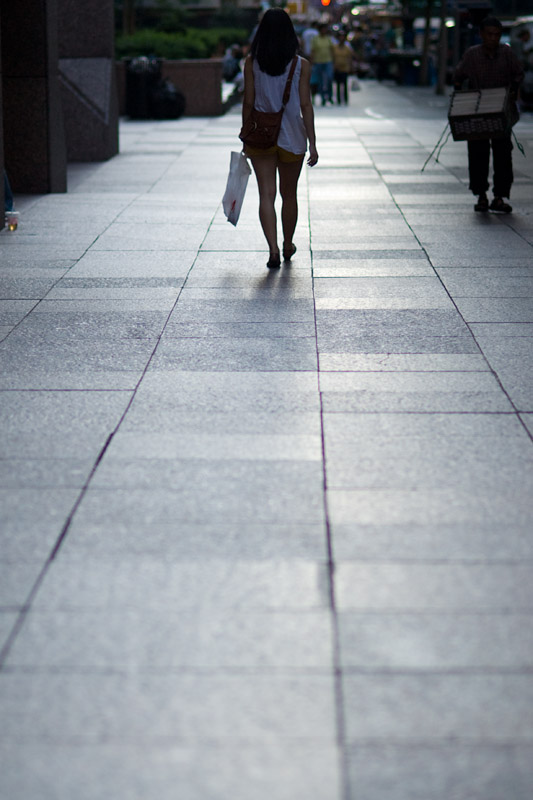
190 43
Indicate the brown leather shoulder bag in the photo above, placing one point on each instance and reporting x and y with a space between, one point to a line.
262 128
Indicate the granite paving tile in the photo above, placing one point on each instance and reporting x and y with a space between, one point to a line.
64 421
502 261
254 277
371 268
52 252
12 259
512 359
56 326
403 246
24 286
405 288
369 255
148 416
7 621
434 540
434 587
418 302
424 709
151 584
230 392
502 329
273 480
429 507
120 283
236 241
146 708
217 446
16 582
180 540
483 283
152 490
410 362
44 472
239 770
252 262
424 642
425 451
126 236
499 243
31 519
239 330
479 309
165 296
130 264
396 331
235 355
42 379
412 392
252 310
480 771
268 285
75 356
527 419
191 640
12 311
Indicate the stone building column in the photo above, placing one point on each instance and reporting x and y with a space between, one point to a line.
87 78
34 139
2 204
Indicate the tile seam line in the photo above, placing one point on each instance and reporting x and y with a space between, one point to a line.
341 732
435 269
26 607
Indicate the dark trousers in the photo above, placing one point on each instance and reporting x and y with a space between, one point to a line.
341 81
502 162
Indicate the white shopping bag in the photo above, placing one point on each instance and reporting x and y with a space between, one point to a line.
239 172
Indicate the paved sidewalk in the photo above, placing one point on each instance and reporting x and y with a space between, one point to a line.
267 536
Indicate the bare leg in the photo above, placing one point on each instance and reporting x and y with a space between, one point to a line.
265 172
288 184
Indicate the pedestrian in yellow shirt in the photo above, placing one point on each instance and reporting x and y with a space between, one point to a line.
342 67
322 58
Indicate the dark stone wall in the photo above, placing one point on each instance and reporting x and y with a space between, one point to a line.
58 94
88 79
2 205
34 142
86 29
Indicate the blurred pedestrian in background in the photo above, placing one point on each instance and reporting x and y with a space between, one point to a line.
342 67
322 57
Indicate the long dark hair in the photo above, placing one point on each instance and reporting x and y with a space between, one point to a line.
275 43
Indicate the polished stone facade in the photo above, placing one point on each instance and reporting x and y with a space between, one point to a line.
58 92
87 79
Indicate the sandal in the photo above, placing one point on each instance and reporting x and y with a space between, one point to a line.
482 204
288 252
499 204
274 262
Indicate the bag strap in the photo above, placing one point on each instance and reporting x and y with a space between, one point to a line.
287 92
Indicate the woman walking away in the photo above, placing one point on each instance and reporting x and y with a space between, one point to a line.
266 70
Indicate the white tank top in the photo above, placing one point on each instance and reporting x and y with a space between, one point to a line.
269 97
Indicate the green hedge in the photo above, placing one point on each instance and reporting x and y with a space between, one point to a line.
193 43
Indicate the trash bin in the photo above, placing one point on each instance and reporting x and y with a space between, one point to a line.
167 101
143 75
